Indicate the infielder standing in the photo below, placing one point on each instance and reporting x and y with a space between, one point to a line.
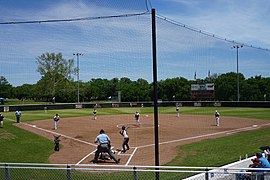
217 117
137 118
94 114
56 119
124 133
177 111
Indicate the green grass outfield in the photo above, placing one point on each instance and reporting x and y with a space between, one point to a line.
18 145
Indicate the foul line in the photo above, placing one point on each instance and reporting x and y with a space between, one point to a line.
45 130
129 159
10 119
85 157
206 135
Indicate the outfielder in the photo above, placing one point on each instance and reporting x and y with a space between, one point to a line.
217 117
137 118
56 119
124 133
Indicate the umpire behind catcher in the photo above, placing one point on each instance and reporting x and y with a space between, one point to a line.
103 141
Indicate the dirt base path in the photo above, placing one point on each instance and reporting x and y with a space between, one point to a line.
78 135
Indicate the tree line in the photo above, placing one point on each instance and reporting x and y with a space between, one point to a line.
56 81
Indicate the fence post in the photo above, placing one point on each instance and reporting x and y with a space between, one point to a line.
206 174
7 172
68 172
135 173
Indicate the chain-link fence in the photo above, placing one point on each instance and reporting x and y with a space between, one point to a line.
11 171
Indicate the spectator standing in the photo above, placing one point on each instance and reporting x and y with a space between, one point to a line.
53 100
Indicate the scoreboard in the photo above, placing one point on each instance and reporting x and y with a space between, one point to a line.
203 91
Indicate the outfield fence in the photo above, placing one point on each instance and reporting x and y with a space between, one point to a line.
31 107
10 171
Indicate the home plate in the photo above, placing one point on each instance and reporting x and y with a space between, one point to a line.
34 126
254 125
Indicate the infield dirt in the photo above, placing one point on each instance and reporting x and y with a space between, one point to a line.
78 135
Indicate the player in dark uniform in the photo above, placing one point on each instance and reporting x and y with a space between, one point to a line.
1 120
137 118
56 142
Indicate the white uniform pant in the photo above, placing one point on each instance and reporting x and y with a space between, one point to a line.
55 124
217 121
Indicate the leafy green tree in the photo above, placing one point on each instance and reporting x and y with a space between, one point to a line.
143 90
54 70
67 91
24 92
257 88
99 89
174 89
5 88
127 88
226 86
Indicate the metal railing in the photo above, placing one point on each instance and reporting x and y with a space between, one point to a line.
11 171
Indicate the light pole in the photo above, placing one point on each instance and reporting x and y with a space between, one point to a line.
78 75
237 47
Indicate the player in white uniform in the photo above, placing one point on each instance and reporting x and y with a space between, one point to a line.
137 118
124 133
56 119
217 117
94 114
177 111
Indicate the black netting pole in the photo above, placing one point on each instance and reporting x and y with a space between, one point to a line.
68 172
206 174
7 172
135 173
155 89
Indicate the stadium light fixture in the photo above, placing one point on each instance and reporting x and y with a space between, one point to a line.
78 75
237 47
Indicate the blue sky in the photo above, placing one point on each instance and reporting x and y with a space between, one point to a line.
122 47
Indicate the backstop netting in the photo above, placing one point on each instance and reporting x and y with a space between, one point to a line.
101 51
